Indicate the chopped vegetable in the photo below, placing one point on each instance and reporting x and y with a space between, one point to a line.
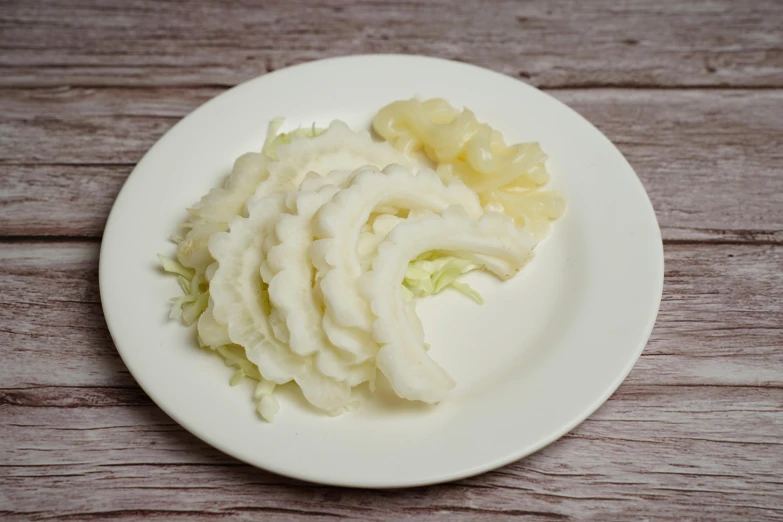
175 267
306 263
237 377
337 227
426 276
464 149
403 358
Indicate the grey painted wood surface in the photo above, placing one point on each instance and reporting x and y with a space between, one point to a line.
690 92
560 43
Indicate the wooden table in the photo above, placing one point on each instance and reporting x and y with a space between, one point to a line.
691 92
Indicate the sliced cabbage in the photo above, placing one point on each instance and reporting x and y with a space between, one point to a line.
337 148
190 305
210 332
239 295
175 267
508 178
241 302
268 407
285 161
335 253
402 358
289 273
272 260
213 212
275 139
432 272
234 357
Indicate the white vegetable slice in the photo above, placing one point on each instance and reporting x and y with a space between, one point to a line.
368 242
289 273
258 176
504 250
221 204
380 227
216 209
338 225
238 294
210 332
339 148
291 284
255 176
193 250
507 178
241 302
268 407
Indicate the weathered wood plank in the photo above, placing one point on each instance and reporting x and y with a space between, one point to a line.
89 453
58 199
564 43
708 159
727 414
51 311
719 322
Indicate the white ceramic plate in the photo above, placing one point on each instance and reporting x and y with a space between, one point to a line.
544 352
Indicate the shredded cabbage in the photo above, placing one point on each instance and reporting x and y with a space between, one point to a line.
402 358
274 140
430 274
268 407
175 267
195 308
237 377
234 355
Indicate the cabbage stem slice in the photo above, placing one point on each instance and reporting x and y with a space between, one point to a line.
338 226
504 250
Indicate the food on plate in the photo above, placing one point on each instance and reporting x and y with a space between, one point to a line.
337 226
507 178
491 241
306 264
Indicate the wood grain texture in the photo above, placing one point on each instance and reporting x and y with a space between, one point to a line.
719 322
697 427
692 94
709 160
700 461
552 44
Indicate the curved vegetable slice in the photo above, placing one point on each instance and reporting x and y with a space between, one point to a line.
507 178
503 249
213 212
369 240
285 161
241 302
338 148
289 273
210 332
338 225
